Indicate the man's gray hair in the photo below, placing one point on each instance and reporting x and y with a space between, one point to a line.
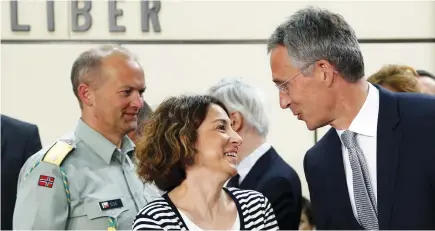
239 96
143 116
90 61
313 34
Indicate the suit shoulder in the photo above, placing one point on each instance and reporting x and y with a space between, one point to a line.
416 104
16 124
283 170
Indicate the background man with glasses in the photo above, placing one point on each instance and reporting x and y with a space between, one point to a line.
374 168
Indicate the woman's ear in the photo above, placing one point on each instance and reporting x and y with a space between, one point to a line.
236 121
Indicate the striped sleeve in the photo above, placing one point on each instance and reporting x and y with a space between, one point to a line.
257 211
270 222
156 215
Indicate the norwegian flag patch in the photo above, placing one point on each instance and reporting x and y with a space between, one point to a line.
46 181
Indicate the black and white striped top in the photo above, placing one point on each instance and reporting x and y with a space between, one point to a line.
255 212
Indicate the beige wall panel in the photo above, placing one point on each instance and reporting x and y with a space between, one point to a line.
227 19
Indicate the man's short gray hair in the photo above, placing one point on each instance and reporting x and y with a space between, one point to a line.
239 96
90 61
143 116
312 34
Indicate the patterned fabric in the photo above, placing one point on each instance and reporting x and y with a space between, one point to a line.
364 196
254 209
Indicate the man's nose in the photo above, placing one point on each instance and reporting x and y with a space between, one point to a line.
137 101
284 100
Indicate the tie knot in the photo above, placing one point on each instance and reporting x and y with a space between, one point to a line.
349 139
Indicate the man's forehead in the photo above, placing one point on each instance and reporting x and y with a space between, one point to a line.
282 68
122 66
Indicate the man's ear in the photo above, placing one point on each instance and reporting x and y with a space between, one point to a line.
327 72
236 121
85 94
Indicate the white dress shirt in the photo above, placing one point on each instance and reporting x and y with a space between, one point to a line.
246 164
365 125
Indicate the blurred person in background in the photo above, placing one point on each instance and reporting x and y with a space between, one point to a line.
307 220
85 180
374 168
260 167
142 117
190 150
19 140
427 82
397 78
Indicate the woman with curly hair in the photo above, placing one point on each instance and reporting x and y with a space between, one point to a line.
189 149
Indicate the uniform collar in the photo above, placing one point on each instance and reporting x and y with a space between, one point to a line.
100 144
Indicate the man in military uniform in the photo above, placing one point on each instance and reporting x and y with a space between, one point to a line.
86 180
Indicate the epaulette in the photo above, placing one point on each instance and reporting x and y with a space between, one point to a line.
57 153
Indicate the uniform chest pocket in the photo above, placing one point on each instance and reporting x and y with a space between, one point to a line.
95 214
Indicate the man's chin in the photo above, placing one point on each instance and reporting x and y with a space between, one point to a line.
129 127
311 127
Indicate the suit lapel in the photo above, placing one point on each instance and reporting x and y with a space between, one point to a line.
258 169
388 143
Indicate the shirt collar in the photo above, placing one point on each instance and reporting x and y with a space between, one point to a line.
100 144
246 164
366 121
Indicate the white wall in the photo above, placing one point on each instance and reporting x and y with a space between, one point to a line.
35 83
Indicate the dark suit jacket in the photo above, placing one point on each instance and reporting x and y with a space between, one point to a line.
19 140
405 168
273 177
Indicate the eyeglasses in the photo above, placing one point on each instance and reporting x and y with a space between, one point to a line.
283 87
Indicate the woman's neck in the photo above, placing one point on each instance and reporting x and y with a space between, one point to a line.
200 196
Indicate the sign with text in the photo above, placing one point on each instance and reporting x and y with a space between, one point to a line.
76 10
204 20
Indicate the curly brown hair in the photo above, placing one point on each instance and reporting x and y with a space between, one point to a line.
399 77
167 145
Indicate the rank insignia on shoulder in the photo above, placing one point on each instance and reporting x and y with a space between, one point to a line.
46 181
111 204
57 153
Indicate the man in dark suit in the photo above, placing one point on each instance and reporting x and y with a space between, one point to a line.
374 169
19 140
260 167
